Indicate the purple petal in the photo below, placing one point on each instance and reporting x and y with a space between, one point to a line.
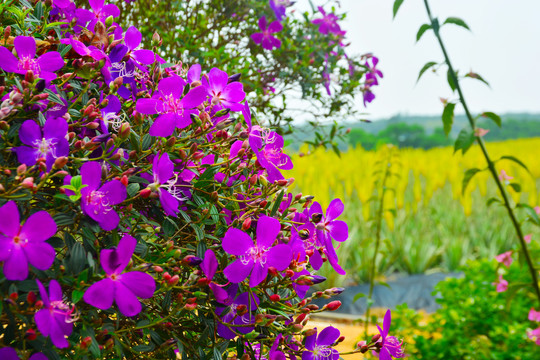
335 209
234 92
384 354
55 291
194 73
236 242
43 293
220 294
164 125
328 336
262 23
96 5
127 302
279 256
237 272
43 321
100 294
338 230
10 224
170 203
144 56
16 266
36 356
25 46
111 10
149 106
386 323
311 341
257 37
91 175
210 264
267 230
27 155
30 132
115 192
275 27
114 261
40 226
316 260
218 79
259 273
133 38
141 284
55 128
173 85
194 98
9 62
58 335
51 61
108 220
163 167
308 355
315 209
40 255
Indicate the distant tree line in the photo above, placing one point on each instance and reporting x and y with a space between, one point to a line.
415 136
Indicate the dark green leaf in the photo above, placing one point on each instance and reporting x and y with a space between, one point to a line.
516 160
469 174
426 67
421 31
76 296
277 202
533 216
397 5
451 81
53 97
456 21
448 117
496 118
358 296
464 141
492 201
515 186
132 189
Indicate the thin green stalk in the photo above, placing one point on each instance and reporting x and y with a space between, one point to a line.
490 163
378 228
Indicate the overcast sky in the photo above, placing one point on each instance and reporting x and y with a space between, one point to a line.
503 47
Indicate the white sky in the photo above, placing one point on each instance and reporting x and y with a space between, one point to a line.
504 48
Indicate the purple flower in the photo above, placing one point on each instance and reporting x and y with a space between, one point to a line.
100 12
8 353
391 347
50 143
173 109
43 67
165 184
328 23
373 73
84 50
97 201
319 346
279 7
255 259
229 314
367 95
122 288
20 245
132 39
534 335
56 318
268 146
110 114
269 42
222 93
328 228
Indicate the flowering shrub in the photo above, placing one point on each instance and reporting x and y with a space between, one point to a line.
143 212
294 64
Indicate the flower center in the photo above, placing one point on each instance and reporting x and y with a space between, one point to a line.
26 63
112 119
100 201
322 352
44 146
19 241
122 70
255 254
172 105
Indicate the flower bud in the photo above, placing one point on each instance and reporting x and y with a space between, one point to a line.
124 131
375 338
29 76
60 162
109 21
241 310
4 126
28 183
156 39
191 260
30 335
21 169
246 224
333 305
31 297
309 332
275 297
234 78
145 193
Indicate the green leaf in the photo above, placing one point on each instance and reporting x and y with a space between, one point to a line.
397 5
76 296
492 201
515 186
448 117
469 174
464 141
426 67
477 77
533 216
132 189
450 79
496 118
516 160
53 97
421 31
456 21
277 202
358 297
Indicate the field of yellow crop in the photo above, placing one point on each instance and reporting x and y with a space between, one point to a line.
431 225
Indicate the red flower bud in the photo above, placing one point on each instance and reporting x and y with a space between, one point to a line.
30 334
246 224
31 297
275 297
333 305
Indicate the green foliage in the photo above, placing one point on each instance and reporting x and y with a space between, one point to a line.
474 321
